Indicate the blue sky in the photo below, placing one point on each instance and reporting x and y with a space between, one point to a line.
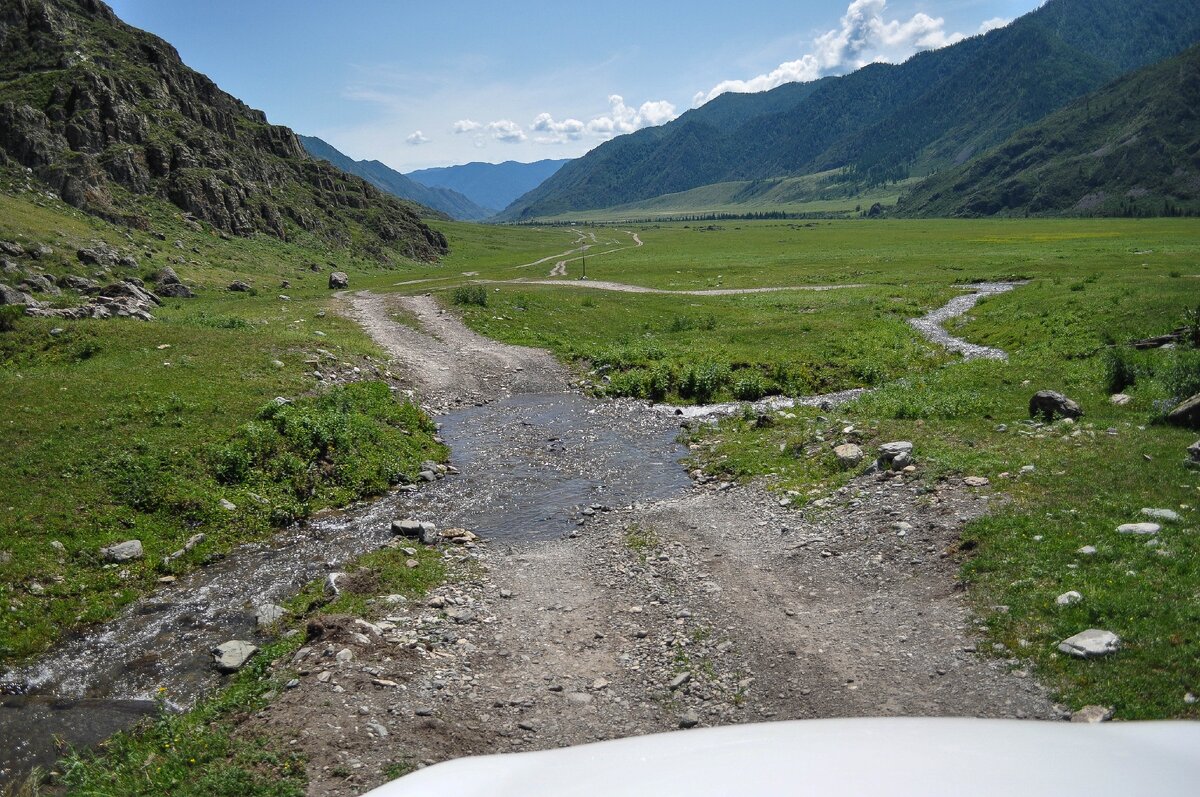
433 84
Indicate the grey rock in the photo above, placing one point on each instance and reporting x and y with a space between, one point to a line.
1139 528
901 461
39 283
331 583
1120 399
231 656
77 283
1169 515
689 719
1093 714
848 454
123 551
268 614
1090 643
422 531
889 451
227 505
1193 451
239 287
1068 598
679 681
1050 404
378 729
12 248
339 280
175 290
10 295
1186 413
977 481
1087 550
127 289
167 276
427 476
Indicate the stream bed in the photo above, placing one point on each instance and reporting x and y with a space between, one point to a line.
531 467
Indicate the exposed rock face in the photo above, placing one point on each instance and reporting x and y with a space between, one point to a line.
1051 403
1186 414
201 149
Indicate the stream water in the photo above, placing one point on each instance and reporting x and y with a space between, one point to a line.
531 467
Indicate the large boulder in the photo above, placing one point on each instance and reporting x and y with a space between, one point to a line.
339 280
81 284
10 295
1186 413
127 289
166 276
175 290
1050 404
239 287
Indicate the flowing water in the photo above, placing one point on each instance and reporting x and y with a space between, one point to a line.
531 466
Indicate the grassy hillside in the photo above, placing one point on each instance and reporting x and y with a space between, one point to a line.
824 194
1130 149
883 122
125 429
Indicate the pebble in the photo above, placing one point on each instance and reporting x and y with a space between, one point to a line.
679 680
689 719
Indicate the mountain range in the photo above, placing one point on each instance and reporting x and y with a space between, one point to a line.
492 185
1131 148
383 177
883 122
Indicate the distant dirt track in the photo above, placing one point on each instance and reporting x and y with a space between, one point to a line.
621 287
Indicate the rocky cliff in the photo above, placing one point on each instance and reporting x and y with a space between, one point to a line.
106 114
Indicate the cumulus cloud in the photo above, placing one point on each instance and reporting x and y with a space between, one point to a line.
864 36
466 126
416 139
506 130
993 24
621 118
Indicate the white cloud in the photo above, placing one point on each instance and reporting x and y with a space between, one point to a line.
466 126
993 24
416 139
506 130
864 36
553 132
620 119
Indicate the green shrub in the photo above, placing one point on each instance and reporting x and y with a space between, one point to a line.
750 386
470 294
9 314
1120 371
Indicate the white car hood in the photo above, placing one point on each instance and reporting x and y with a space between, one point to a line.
831 758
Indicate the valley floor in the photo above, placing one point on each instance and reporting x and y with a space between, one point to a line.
714 607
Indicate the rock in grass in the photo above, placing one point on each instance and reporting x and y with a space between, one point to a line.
231 656
1193 460
175 290
1139 528
267 614
123 551
1050 404
1120 399
1169 515
848 454
1093 714
1068 598
977 481
1090 644
1087 550
1186 413
237 286
339 280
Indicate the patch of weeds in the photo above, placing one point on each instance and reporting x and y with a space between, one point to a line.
641 541
470 295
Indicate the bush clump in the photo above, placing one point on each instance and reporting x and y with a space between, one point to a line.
470 294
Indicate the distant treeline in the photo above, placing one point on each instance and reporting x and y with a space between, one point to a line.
762 215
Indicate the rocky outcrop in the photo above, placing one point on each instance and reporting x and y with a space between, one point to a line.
89 128
1186 413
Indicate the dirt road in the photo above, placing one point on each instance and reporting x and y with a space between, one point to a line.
716 606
